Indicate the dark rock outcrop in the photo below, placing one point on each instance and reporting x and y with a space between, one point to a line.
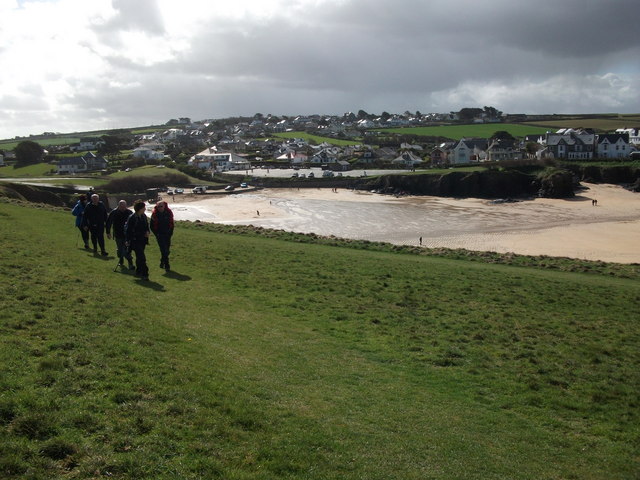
480 184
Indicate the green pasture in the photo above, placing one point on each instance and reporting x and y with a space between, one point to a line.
263 357
456 132
606 124
316 138
37 170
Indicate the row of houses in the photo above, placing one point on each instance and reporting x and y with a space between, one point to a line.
568 144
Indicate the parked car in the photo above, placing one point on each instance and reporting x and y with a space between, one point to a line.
302 175
295 175
200 189
243 185
229 188
169 192
178 191
311 175
327 173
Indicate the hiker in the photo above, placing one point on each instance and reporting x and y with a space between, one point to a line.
116 219
162 227
94 218
78 211
136 234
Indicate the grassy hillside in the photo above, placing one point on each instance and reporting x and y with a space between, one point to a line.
37 170
260 358
456 132
600 124
315 138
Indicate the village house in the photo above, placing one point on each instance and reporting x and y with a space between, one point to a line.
469 150
407 160
570 144
503 149
634 135
149 151
613 145
86 163
212 159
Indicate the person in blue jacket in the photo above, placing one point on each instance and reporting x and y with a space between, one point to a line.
78 211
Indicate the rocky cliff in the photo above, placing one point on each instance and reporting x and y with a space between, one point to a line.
481 184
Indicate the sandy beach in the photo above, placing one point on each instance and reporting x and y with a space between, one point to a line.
608 231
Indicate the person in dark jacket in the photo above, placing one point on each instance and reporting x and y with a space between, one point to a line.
94 218
136 233
78 211
162 227
116 219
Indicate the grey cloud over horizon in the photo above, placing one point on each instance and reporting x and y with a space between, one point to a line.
566 56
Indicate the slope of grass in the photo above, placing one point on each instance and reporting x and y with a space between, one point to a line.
603 124
315 138
260 358
37 170
456 132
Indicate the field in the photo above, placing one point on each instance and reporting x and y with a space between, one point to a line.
37 170
262 358
315 138
456 132
605 124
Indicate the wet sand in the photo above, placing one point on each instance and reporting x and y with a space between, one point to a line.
573 227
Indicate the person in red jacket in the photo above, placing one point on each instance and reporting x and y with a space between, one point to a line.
161 225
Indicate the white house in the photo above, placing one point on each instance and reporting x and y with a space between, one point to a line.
85 163
634 134
469 150
407 159
148 152
212 159
613 145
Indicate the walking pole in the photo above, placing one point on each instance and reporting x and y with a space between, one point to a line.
115 269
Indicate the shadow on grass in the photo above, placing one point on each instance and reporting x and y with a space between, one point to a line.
150 284
177 276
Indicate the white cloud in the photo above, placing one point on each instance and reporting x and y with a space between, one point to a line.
78 65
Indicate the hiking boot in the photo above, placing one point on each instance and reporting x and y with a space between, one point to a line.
162 264
103 253
131 265
166 266
86 246
120 263
95 249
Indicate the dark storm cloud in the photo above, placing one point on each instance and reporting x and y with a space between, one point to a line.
413 45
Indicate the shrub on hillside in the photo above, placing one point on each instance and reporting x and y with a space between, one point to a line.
138 184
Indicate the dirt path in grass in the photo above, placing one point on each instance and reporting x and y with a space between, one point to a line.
574 227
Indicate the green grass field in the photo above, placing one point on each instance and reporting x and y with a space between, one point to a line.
37 170
316 138
456 132
599 124
263 358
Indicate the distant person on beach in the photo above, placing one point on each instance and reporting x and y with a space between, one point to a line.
420 240
117 219
161 225
136 233
78 211
94 219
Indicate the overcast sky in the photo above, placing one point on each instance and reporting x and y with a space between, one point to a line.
77 65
